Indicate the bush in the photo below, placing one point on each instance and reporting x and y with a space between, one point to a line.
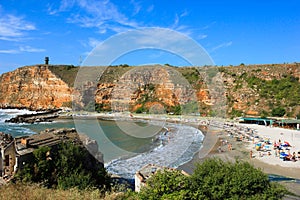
166 185
68 166
213 179
278 112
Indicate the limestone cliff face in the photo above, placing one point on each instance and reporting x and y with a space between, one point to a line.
238 90
257 89
33 87
149 86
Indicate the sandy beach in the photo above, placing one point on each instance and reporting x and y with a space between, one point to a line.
231 141
274 134
217 135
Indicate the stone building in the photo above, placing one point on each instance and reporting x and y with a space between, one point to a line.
15 153
7 155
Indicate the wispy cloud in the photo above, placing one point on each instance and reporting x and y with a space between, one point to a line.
31 49
92 42
136 7
185 13
103 15
202 36
21 49
225 44
209 25
150 8
9 51
176 21
13 28
181 28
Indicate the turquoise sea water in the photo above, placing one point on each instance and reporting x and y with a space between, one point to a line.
120 143
127 145
123 153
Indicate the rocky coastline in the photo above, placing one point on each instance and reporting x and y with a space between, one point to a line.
45 116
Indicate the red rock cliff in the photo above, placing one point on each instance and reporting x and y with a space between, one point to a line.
33 87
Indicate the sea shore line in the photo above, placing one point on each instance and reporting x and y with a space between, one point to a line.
217 137
218 130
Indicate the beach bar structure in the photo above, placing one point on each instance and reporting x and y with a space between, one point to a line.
289 123
259 121
284 123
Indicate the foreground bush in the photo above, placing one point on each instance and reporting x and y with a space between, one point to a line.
67 166
213 179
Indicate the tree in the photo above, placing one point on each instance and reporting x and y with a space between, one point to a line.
278 112
67 166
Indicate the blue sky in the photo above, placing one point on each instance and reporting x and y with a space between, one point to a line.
232 32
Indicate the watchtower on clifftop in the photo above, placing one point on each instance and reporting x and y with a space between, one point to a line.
46 60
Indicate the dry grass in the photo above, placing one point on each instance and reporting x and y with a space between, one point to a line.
36 192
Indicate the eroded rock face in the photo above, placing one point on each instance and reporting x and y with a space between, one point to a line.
92 146
33 87
124 88
142 85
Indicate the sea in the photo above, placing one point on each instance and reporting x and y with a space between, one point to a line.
126 145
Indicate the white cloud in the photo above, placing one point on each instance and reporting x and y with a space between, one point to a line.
30 49
12 27
202 36
176 21
185 13
225 44
93 42
103 15
137 7
181 28
64 6
9 51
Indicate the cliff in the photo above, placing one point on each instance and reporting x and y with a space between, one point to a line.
33 87
262 90
259 90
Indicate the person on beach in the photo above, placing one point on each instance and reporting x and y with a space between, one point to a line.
288 157
251 154
229 147
294 157
220 149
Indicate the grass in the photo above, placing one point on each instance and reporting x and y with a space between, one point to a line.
36 192
65 72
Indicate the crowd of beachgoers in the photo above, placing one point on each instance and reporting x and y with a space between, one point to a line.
273 145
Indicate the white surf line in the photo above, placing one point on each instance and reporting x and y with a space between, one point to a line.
180 140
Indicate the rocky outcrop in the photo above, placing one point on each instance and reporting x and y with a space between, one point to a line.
46 116
33 87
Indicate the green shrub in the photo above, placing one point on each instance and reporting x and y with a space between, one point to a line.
166 185
278 112
68 166
213 179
